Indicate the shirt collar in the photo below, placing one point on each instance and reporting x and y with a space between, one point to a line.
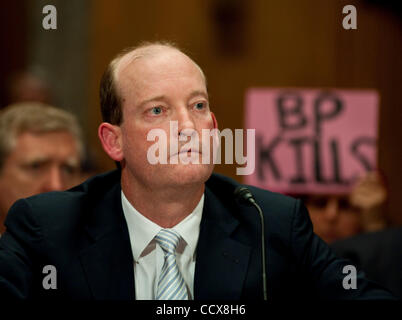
189 228
142 230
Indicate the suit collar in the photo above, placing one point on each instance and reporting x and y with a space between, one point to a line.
222 261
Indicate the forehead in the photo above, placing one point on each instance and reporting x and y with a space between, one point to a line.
150 67
57 142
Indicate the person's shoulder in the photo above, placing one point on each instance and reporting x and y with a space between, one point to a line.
367 247
227 185
272 202
280 212
53 206
370 241
92 188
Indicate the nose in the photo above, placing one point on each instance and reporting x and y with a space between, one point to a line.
186 125
331 210
53 180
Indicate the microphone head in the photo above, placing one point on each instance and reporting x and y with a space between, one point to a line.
244 195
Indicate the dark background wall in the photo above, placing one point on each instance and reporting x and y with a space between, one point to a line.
13 39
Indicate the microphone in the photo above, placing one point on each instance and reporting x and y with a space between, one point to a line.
244 196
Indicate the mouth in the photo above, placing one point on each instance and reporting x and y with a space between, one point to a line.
188 151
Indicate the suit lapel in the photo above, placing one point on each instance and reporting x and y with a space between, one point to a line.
222 261
107 258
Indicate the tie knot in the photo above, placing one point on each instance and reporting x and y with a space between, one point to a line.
168 239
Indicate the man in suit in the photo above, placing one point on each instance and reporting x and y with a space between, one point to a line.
164 231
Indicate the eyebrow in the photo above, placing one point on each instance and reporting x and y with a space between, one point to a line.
71 161
164 98
198 93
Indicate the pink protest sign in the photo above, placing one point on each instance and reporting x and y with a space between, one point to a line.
311 140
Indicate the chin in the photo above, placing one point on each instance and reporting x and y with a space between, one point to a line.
191 174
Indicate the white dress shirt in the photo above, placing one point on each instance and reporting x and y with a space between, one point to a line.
149 256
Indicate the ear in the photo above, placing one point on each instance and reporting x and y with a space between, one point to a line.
214 120
110 137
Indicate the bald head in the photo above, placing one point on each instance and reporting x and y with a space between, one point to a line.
134 59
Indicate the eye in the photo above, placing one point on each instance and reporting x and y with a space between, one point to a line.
69 169
200 105
318 202
156 110
344 203
34 166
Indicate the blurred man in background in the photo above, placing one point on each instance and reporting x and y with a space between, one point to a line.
40 151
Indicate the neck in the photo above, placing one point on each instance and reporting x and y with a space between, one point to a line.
164 206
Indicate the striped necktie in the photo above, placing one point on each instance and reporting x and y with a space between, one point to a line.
171 285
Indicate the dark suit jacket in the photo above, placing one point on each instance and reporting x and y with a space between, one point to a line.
378 254
83 233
